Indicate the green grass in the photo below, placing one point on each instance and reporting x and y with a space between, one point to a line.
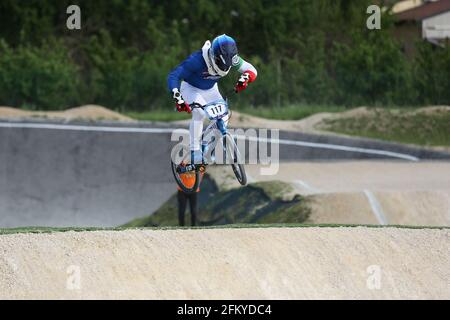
158 115
291 112
391 124
262 203
404 126
4 231
49 229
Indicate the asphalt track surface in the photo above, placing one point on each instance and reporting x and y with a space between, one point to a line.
105 174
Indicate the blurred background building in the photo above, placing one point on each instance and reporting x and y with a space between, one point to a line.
421 19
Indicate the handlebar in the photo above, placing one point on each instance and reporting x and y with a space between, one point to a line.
193 105
196 105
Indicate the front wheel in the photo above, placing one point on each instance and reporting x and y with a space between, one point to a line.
234 156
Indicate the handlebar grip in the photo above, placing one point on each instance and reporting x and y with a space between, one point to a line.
195 105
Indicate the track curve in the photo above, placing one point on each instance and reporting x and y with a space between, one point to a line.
105 174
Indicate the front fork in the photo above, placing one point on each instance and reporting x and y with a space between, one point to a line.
219 125
209 133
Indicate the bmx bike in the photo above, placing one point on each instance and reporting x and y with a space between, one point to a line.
216 132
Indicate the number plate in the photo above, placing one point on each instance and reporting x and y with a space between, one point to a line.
216 111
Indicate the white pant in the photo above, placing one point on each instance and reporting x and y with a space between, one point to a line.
192 94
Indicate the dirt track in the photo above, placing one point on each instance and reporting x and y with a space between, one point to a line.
408 193
87 112
263 263
355 176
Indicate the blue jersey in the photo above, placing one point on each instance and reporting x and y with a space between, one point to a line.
194 71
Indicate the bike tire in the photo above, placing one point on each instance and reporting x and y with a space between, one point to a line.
176 175
239 172
237 163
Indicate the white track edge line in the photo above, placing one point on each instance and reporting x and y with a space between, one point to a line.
376 207
306 186
335 147
170 130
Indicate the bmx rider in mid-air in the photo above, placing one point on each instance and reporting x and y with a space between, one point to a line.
195 81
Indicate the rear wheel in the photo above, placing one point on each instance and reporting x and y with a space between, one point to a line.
233 156
187 180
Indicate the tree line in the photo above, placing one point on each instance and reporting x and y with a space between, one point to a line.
306 52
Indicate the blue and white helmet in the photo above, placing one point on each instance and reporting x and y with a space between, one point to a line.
223 54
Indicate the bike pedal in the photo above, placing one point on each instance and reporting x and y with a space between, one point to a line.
185 169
